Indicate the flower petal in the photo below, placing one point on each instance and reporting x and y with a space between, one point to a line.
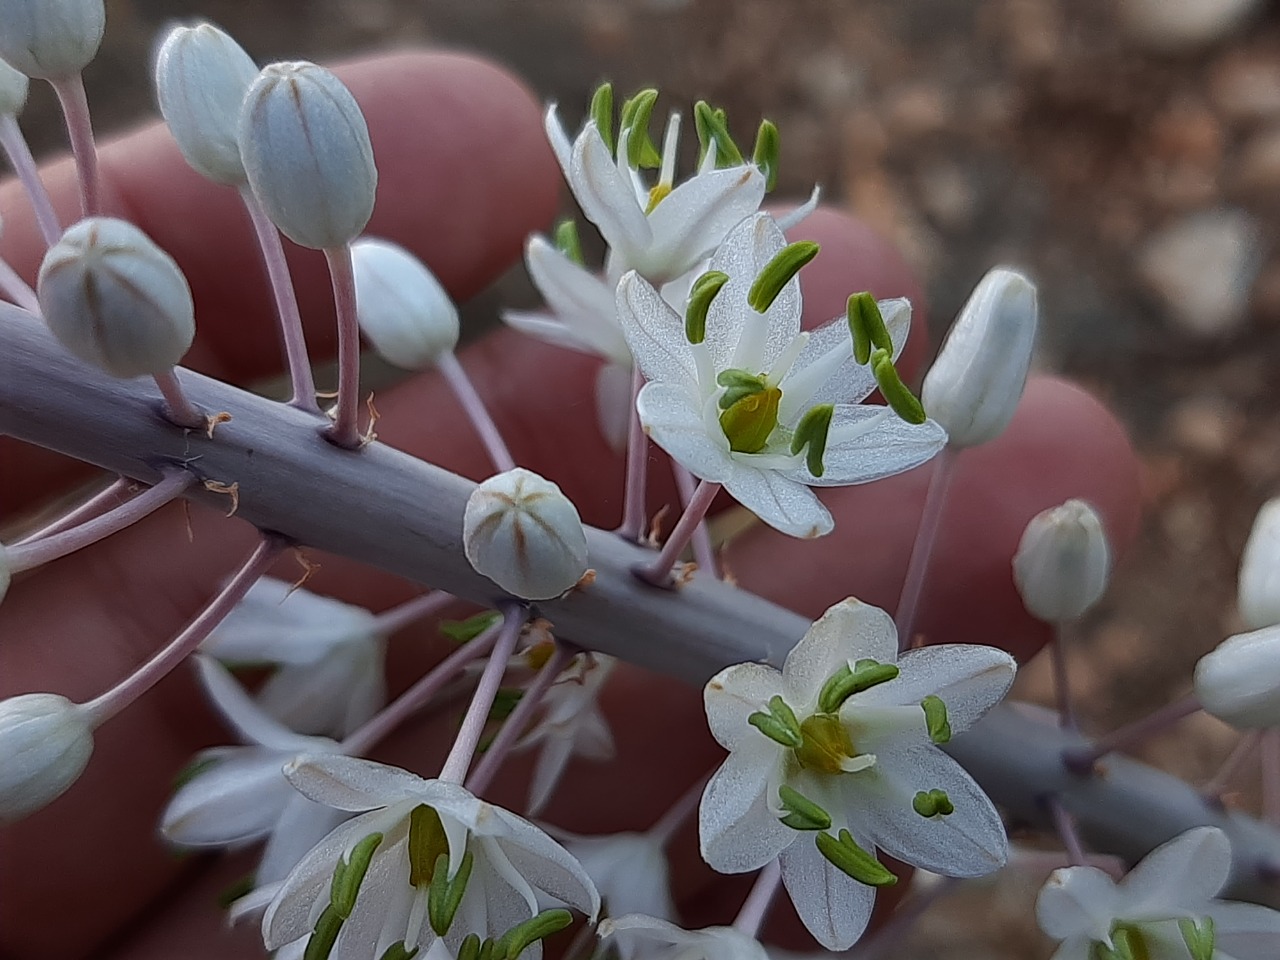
614 408
1182 874
579 299
350 783
332 697
851 630
970 679
301 825
697 216
1077 903
781 502
249 720
732 695
876 444
834 907
655 334
559 141
605 194
737 830
1248 931
547 865
237 800
676 425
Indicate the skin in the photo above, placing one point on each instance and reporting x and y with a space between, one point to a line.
461 185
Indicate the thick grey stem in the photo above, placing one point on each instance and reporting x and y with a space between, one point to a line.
370 506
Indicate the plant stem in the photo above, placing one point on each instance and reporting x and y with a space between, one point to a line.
634 503
75 110
756 907
411 611
703 552
476 411
658 573
666 826
87 510
24 165
178 410
1065 824
31 554
1061 681
935 500
1242 751
17 289
301 379
464 747
345 431
1081 760
106 706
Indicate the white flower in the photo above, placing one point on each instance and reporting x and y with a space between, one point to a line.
844 739
238 795
402 309
501 858
629 869
788 375
1163 908
1063 562
45 744
1259 592
640 937
1239 681
571 724
330 678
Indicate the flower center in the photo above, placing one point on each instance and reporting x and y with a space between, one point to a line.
825 745
1129 943
749 420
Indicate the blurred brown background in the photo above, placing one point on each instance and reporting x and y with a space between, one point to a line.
1125 152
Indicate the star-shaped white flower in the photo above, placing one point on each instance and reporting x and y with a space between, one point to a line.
330 656
747 446
640 937
498 858
844 739
1166 908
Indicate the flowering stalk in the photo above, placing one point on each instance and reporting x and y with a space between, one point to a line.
104 707
75 110
93 507
935 501
411 611
633 496
345 431
756 907
1065 824
178 410
1240 753
658 573
475 409
27 556
703 551
1061 682
24 165
1081 760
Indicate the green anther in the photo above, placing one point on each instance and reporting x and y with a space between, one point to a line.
765 154
935 717
779 724
602 113
712 127
826 744
802 813
1198 936
464 631
568 242
636 113
701 294
348 875
487 951
844 683
324 936
398 951
235 891
866 326
427 842
516 940
845 855
933 803
780 271
812 431
900 398
738 385
445 895
469 949
750 421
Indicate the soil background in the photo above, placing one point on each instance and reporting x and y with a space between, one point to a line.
1138 181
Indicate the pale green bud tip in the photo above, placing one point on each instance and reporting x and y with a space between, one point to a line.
896 393
1063 562
568 242
765 155
201 78
935 718
602 113
13 90
402 309
780 271
524 935
713 131
846 681
50 39
115 299
866 327
306 151
1239 681
779 724
348 875
845 855
811 432
801 813
636 114
45 743
932 803
701 295
525 535
1199 937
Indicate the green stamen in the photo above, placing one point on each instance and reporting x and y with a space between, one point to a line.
1198 936
780 271
779 724
712 127
349 874
398 951
866 326
469 949
636 113
602 113
812 431
844 683
765 154
750 421
933 803
568 242
802 813
445 895
899 397
514 942
427 843
845 855
701 295
935 718
738 385
324 936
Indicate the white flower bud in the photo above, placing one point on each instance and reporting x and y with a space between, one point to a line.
974 386
522 533
1239 682
402 309
202 76
13 90
1063 562
45 742
115 299
1259 590
306 151
50 39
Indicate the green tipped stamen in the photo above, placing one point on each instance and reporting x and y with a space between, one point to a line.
568 242
802 813
516 940
845 855
323 937
932 803
636 113
935 718
765 154
779 724
780 271
445 895
701 295
713 128
844 683
903 402
349 874
1198 936
602 113
811 432
866 326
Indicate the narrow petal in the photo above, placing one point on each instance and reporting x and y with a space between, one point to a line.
1077 903
867 443
547 865
737 830
237 800
1183 873
592 739
547 327
331 697
1248 931
350 783
779 501
580 299
655 334
970 680
301 825
676 425
251 722
382 908
698 215
547 771
558 139
733 694
849 631
794 218
834 907
614 407
605 195
491 906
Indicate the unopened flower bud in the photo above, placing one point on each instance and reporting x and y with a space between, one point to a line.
50 39
402 309
522 533
1259 590
306 150
1239 682
45 742
974 386
13 90
202 76
1063 562
115 299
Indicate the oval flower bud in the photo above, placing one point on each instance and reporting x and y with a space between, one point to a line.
1063 562
202 76
1239 682
974 386
115 299
1259 590
307 154
522 533
45 742
402 309
50 39
13 90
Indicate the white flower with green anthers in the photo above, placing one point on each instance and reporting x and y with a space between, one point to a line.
741 397
640 937
1166 908
424 860
838 755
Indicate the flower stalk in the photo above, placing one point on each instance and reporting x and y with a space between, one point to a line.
476 411
935 502
658 573
75 110
117 492
1081 760
634 491
756 907
345 430
24 165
